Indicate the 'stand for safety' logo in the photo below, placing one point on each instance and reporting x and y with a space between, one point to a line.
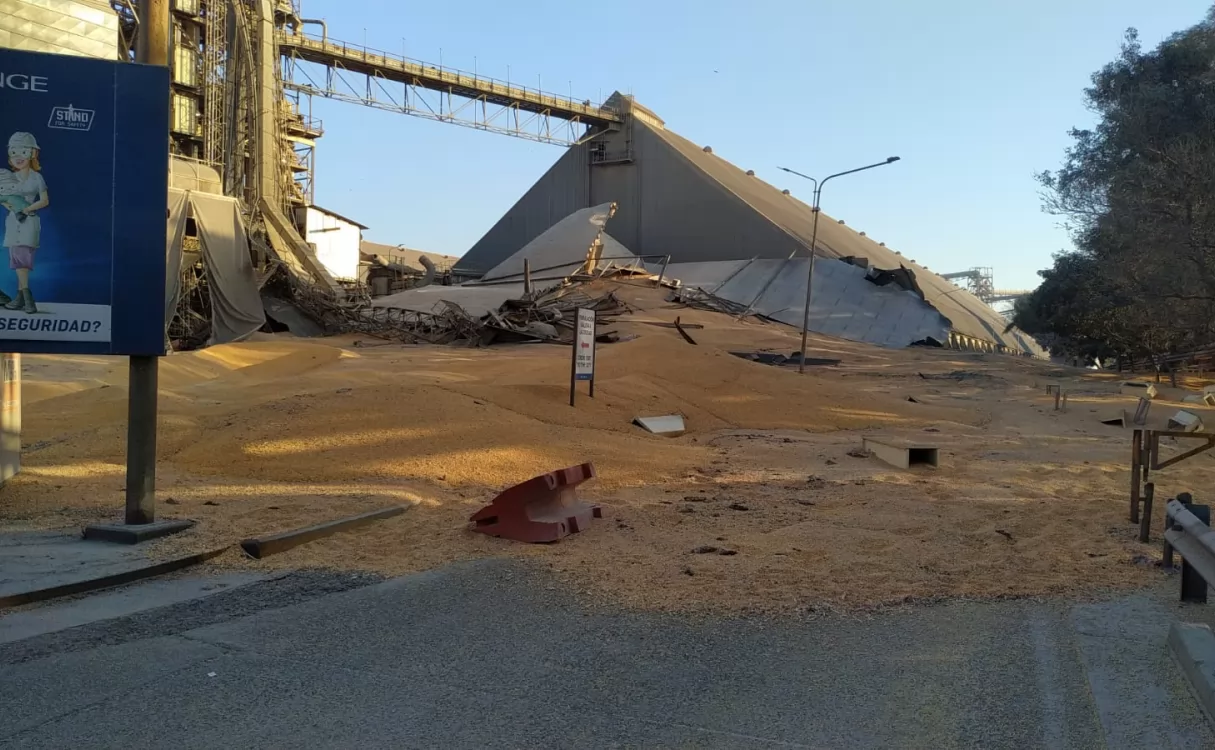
71 118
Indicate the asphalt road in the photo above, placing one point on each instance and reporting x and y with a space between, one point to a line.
495 655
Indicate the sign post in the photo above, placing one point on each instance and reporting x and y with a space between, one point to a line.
83 199
143 384
582 364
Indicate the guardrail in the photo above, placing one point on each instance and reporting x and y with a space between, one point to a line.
1188 532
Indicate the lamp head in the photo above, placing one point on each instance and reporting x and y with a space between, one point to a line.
892 159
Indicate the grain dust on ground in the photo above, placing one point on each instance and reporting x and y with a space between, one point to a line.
761 506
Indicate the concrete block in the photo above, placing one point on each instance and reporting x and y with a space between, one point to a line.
669 425
123 533
1193 646
1187 421
1119 418
902 454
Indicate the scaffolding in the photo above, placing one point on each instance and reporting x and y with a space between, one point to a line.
215 81
243 75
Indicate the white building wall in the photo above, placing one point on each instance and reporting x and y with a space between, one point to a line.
336 241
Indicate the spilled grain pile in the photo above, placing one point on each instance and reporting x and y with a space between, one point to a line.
759 506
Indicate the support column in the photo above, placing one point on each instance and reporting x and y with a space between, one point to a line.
152 44
152 48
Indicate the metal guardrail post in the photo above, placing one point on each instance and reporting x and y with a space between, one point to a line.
1145 522
1195 540
1136 468
1193 580
1167 553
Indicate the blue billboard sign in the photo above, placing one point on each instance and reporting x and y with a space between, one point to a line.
83 199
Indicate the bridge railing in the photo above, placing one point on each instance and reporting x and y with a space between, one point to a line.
338 51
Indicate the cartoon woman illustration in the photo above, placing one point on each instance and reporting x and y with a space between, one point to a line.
23 194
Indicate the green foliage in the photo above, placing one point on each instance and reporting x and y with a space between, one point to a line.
1137 192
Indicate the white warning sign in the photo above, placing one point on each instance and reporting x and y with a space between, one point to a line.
584 345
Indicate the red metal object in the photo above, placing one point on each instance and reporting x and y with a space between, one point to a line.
542 509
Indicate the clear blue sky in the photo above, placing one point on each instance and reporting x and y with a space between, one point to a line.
974 96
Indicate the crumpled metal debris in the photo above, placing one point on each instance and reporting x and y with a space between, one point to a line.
546 316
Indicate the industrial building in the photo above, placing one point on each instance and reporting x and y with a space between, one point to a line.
678 199
244 73
336 239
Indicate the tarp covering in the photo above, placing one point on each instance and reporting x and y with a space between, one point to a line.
236 305
173 233
566 246
290 316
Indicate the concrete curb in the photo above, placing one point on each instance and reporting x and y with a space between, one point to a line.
1193 646
113 579
265 546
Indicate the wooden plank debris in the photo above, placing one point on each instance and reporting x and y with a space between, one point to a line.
684 333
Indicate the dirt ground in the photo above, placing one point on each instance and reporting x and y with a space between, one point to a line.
758 507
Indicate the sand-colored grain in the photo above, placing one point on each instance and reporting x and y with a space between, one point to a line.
279 433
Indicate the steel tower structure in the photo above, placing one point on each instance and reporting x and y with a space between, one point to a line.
244 73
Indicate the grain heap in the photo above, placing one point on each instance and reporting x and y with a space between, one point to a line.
278 433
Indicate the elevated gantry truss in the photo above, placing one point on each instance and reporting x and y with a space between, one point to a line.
353 73
980 282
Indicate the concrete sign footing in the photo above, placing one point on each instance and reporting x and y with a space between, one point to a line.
134 533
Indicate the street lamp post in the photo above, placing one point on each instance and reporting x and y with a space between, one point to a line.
818 192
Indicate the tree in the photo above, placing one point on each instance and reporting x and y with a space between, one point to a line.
1137 192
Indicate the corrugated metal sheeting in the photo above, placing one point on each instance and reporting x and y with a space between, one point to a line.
844 303
676 198
567 247
67 27
968 313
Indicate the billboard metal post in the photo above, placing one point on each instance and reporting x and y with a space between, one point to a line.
152 48
574 370
141 440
